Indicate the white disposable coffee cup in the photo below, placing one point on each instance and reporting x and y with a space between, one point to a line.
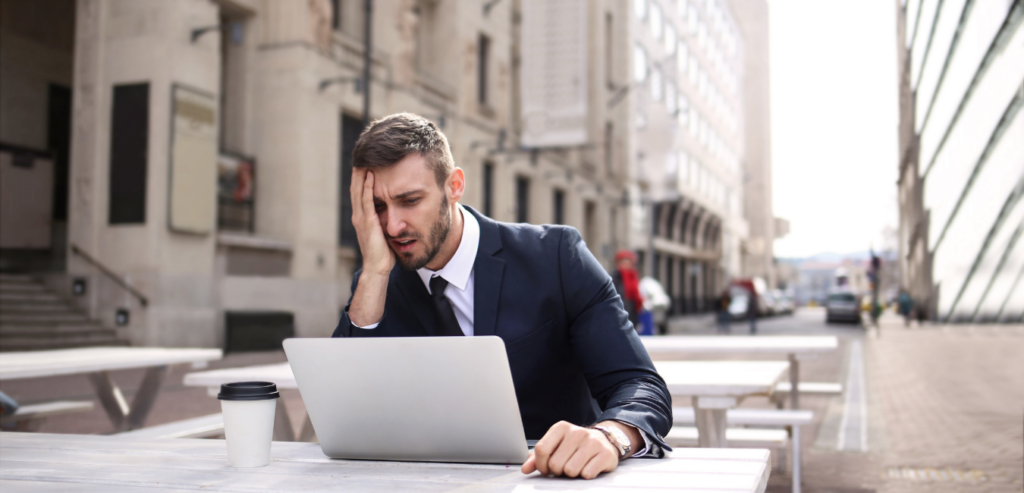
248 409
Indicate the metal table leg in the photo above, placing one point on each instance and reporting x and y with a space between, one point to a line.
794 382
711 420
123 416
283 431
307 434
795 443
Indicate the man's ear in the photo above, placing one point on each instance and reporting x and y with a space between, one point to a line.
456 185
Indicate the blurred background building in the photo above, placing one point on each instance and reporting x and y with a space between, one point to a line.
176 173
961 66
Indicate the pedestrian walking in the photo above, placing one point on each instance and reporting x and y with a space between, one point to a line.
722 308
627 283
752 312
905 305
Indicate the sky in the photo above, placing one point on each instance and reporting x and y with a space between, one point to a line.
835 111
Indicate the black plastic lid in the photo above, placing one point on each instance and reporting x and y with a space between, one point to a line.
248 391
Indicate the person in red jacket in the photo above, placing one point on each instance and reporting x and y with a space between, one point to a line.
627 283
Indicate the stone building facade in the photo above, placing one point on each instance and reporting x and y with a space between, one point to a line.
208 147
189 160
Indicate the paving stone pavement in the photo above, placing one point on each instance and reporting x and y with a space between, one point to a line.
943 401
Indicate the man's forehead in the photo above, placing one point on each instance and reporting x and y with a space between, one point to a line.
409 176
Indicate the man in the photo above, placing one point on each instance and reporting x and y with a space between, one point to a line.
432 267
722 309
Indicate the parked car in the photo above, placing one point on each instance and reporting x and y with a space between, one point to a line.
656 301
783 303
842 306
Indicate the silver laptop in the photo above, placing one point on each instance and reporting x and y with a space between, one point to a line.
443 399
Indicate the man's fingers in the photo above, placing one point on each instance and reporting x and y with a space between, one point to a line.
584 454
569 446
367 195
355 188
548 444
598 464
530 465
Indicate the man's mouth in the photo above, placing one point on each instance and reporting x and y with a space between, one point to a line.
402 246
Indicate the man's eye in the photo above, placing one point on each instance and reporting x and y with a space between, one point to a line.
412 201
379 207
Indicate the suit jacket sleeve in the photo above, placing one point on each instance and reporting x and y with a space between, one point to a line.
345 326
618 370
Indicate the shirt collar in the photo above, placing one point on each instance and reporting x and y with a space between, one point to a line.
458 269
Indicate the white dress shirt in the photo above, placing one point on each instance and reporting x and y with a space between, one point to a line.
459 272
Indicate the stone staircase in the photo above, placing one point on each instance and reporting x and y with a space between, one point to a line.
32 318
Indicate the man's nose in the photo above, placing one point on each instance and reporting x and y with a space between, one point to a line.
394 224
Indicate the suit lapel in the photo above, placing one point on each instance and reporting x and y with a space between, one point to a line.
415 293
488 273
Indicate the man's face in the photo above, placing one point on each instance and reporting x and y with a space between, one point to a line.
414 211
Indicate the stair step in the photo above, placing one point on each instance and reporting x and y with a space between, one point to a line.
17 278
41 318
26 308
22 288
30 297
53 330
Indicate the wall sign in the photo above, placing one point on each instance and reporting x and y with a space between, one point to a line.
193 167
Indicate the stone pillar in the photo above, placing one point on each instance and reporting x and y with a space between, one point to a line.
129 42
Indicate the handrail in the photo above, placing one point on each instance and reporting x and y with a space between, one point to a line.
109 273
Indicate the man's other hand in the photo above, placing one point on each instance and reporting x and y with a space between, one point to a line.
572 451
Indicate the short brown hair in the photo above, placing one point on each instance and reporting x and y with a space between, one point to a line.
388 140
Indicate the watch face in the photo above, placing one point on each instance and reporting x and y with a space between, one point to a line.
622 439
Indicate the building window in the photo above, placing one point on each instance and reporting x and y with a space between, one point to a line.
590 223
559 207
657 84
683 109
657 26
522 199
336 14
671 98
129 153
671 165
488 202
682 57
483 60
350 130
670 40
639 64
640 9
609 147
684 167
609 50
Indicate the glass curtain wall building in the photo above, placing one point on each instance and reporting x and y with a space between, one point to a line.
962 158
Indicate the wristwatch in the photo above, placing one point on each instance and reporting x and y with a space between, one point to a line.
618 438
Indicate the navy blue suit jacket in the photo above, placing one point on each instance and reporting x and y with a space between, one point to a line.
573 353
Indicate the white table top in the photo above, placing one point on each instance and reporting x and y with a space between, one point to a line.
685 345
30 364
721 378
280 374
44 462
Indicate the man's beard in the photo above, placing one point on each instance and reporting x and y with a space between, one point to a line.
438 234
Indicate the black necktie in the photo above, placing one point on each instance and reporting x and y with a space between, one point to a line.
444 315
